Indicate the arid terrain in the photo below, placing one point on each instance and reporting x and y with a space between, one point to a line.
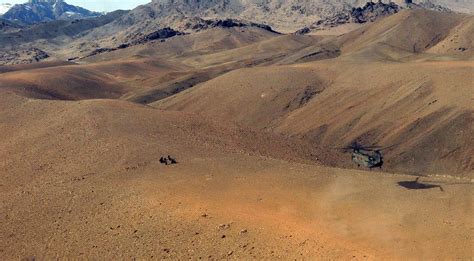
254 118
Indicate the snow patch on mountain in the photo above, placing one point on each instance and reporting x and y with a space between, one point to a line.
5 7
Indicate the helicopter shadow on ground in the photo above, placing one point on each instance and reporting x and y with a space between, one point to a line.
416 185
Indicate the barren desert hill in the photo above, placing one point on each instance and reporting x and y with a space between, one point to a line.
268 51
389 38
418 104
133 71
103 135
251 118
88 182
49 83
81 38
348 95
70 81
404 35
203 42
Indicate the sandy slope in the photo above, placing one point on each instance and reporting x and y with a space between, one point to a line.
80 175
90 185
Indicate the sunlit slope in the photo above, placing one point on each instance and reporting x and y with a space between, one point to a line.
86 176
106 135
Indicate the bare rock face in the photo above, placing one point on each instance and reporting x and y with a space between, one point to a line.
159 34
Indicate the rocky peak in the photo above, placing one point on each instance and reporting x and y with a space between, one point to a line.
36 11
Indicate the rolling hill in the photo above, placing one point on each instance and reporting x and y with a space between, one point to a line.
254 120
353 101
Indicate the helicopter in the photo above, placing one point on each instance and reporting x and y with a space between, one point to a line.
367 156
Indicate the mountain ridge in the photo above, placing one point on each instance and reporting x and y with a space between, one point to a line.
37 11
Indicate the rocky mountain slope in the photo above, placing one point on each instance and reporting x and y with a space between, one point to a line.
35 11
78 38
357 15
283 15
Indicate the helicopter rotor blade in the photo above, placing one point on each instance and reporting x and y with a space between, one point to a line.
350 147
357 146
370 147
388 147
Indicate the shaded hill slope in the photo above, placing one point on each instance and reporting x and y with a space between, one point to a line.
405 36
424 110
459 41
393 37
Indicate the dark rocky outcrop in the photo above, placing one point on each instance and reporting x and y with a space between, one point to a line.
199 24
372 11
161 34
368 13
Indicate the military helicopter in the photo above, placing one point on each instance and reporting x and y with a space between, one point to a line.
367 156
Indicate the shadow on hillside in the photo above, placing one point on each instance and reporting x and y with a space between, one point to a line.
418 185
